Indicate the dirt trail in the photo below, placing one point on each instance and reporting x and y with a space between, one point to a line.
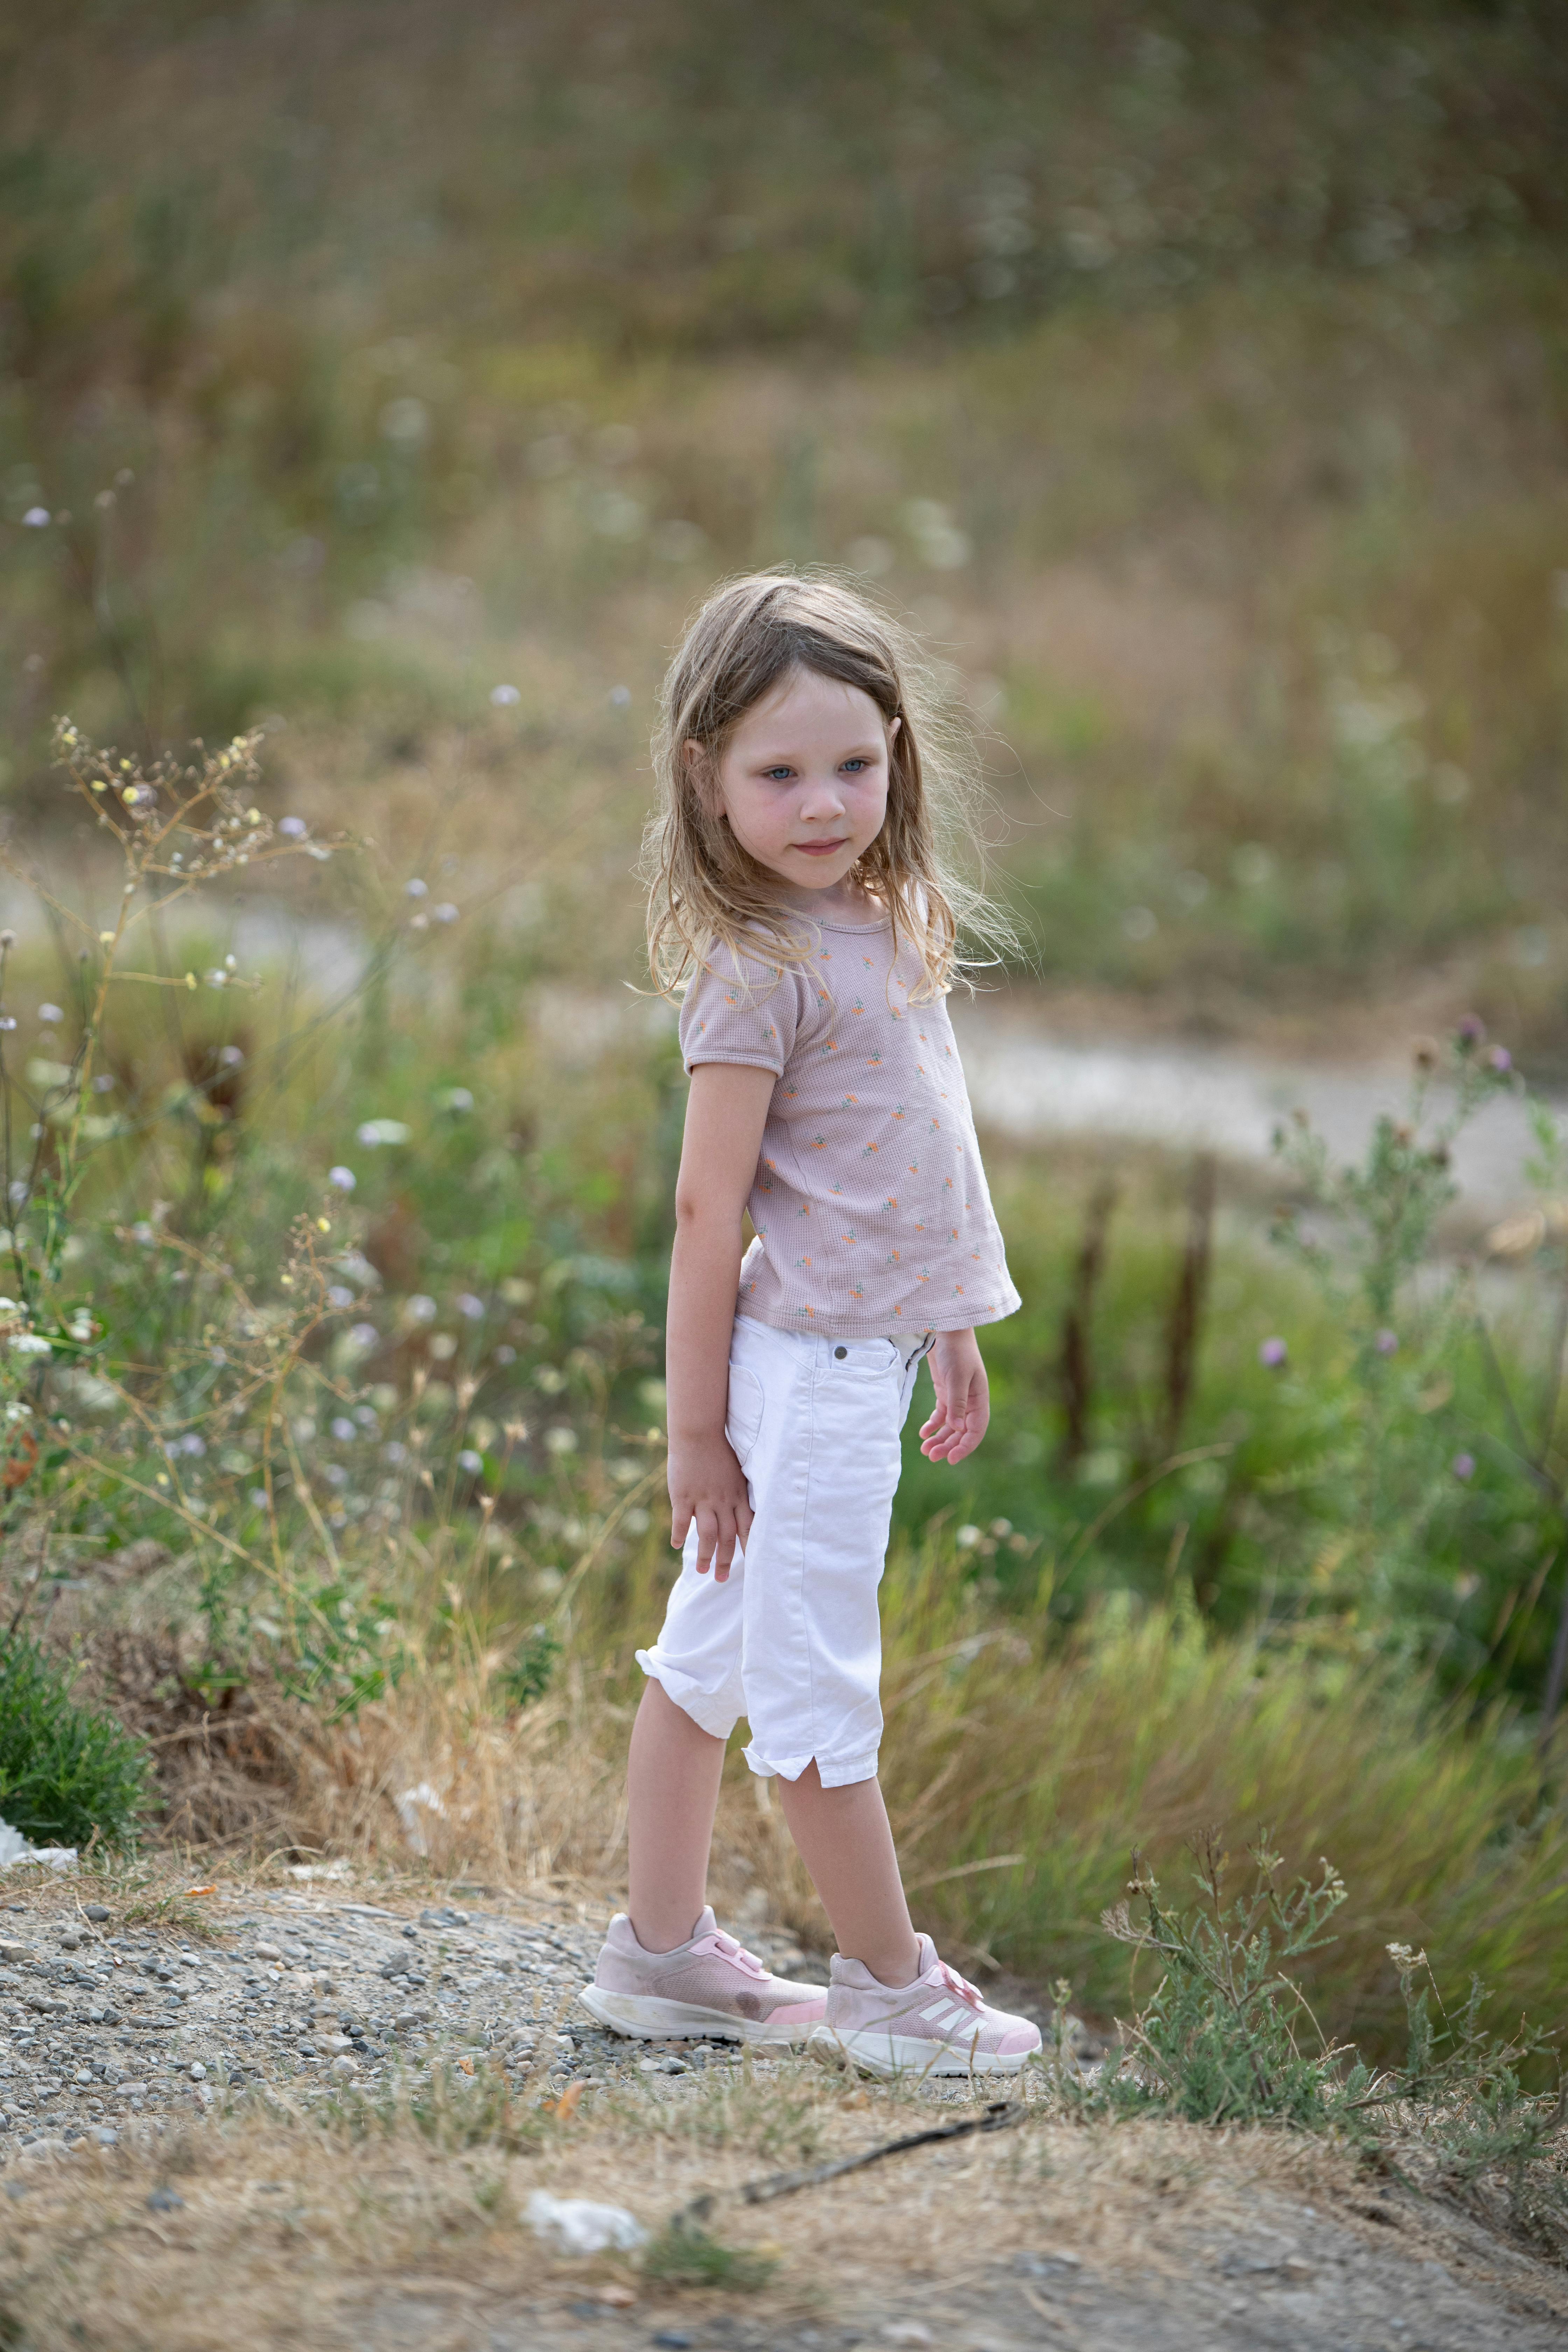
241 2220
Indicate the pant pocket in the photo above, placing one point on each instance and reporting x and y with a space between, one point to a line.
744 1416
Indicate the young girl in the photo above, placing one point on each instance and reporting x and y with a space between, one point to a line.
801 898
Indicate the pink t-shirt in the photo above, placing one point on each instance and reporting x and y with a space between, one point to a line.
870 1206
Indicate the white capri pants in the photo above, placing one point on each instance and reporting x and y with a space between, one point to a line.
792 1640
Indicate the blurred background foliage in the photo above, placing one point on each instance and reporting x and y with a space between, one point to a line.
392 381
1197 373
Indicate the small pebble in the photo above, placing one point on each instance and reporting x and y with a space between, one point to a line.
96 1912
198 2073
673 2339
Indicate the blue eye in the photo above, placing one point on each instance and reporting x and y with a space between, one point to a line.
778 776
857 764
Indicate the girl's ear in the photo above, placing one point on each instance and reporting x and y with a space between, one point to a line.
703 770
894 724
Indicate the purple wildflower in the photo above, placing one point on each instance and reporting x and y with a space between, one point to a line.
1463 1466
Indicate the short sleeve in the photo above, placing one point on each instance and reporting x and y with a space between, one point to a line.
739 1009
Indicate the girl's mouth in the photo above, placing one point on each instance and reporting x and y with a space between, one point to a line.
819 848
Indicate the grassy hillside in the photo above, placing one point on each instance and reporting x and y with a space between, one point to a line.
1197 381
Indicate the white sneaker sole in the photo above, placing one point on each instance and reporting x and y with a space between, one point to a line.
642 2018
889 2055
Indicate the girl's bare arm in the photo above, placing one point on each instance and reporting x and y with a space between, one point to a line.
725 1114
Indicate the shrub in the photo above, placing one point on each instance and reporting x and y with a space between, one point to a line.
65 1772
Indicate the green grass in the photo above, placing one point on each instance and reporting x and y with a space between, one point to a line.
67 1773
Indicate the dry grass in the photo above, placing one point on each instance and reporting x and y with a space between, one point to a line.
289 2232
1020 1770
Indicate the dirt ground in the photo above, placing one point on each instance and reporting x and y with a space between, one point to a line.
396 2216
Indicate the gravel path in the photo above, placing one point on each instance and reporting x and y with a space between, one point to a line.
112 2032
100 2022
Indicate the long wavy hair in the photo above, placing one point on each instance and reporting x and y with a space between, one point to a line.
706 892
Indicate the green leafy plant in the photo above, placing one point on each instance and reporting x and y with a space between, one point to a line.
684 2254
1219 2038
1227 2036
528 1674
65 1771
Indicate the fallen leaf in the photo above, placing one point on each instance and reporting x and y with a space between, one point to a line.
567 2105
620 2298
201 1890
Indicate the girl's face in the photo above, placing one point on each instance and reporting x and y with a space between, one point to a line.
802 779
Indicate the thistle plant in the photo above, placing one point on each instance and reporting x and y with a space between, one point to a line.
1384 1465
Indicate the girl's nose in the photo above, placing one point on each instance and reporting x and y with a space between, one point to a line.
822 797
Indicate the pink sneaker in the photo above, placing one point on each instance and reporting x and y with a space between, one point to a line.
708 1990
938 2025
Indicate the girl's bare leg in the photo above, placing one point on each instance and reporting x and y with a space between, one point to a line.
672 1794
845 1841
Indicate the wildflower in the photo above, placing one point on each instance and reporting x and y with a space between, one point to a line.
364 1336
292 828
1471 1033
1500 1060
620 697
31 1343
457 1099
445 912
343 1179
561 1440
49 1013
18 1411
420 1308
229 1056
1273 1353
192 1443
18 1192
1386 1342
416 889
395 1453
504 697
471 1307
8 1020
471 1462
372 1132
340 1295
36 518
343 1429
1463 1466
967 1538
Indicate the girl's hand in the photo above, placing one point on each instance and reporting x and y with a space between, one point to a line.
962 1399
706 1484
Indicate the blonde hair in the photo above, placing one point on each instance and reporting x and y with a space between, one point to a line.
705 891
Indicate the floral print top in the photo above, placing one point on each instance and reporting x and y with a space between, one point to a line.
870 1206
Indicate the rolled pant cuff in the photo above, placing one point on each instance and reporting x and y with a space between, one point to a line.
708 1713
833 1772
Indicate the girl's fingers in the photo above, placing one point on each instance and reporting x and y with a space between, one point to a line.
680 1520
